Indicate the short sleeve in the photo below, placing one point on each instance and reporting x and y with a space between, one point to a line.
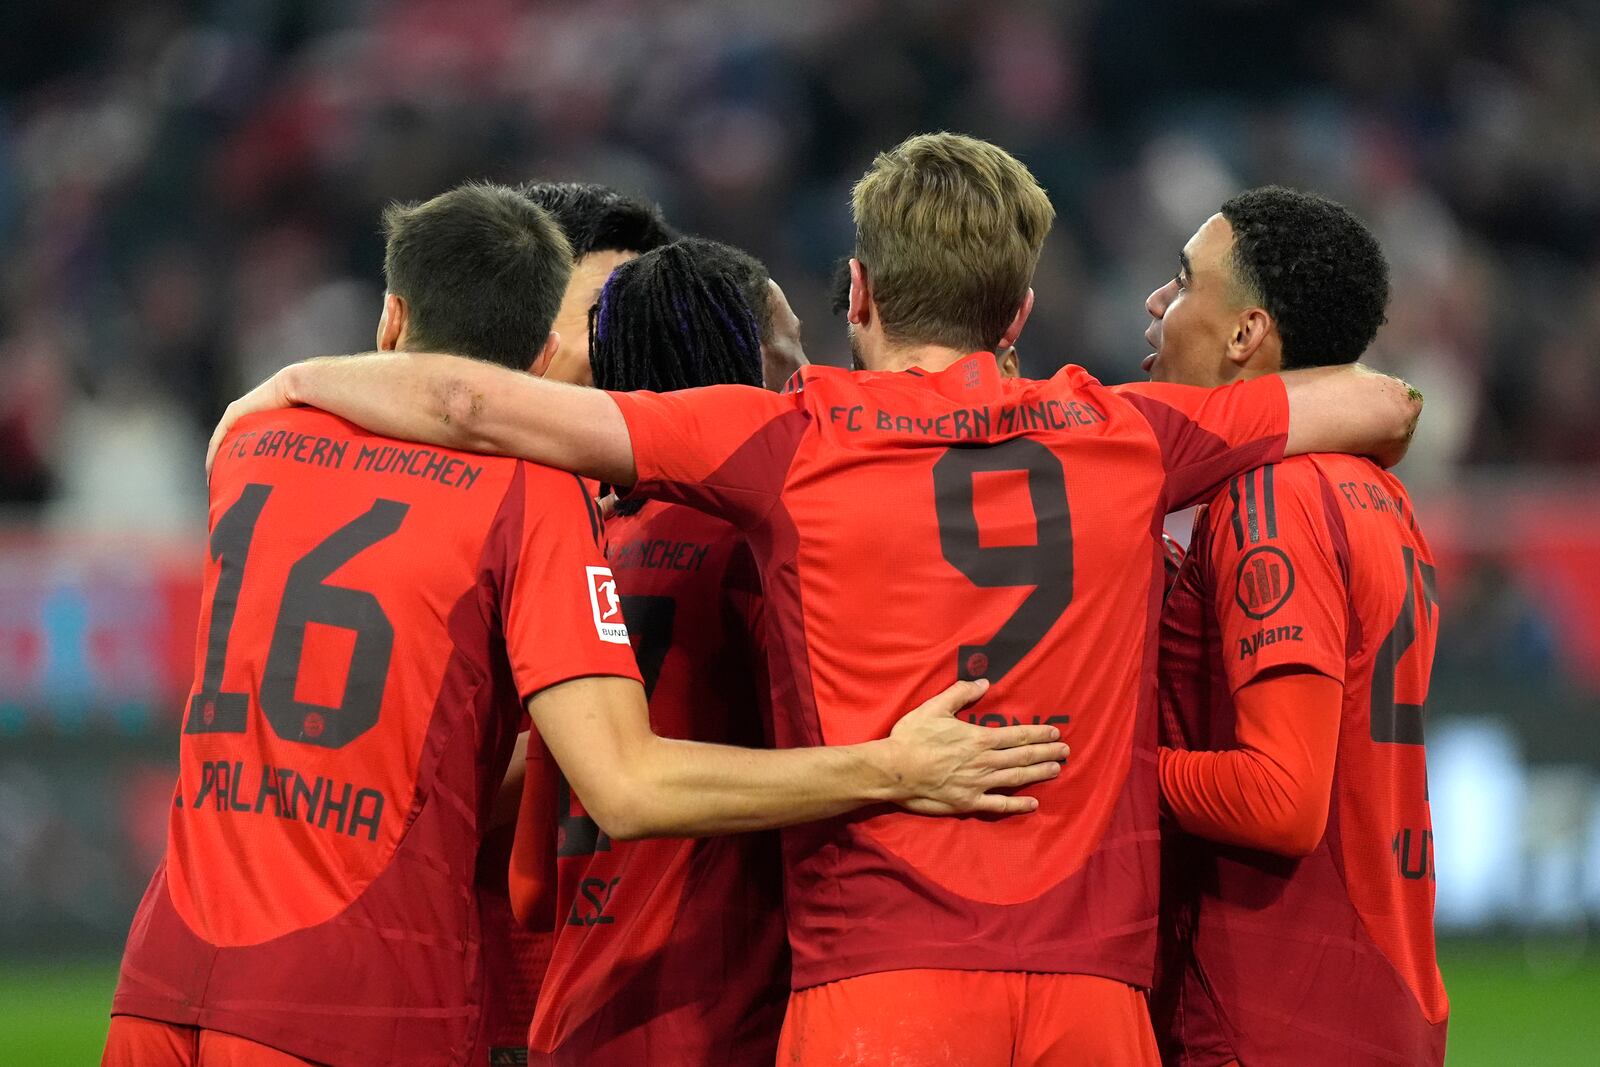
1209 435
562 613
722 449
1279 584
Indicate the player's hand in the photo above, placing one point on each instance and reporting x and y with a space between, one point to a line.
947 766
268 396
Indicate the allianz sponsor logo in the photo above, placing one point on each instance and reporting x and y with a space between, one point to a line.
1268 635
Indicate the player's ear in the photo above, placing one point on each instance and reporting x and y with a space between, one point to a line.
547 356
1019 320
392 323
1251 333
860 294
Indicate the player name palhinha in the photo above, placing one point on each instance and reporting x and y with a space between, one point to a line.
316 450
337 807
970 424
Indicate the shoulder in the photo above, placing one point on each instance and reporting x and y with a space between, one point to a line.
679 522
816 378
1294 479
1272 502
553 495
1070 379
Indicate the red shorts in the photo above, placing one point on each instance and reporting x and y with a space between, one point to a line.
938 1018
136 1042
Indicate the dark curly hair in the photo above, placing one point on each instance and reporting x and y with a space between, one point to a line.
598 218
678 317
1316 270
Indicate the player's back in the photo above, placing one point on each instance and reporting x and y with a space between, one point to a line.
915 527
1324 561
355 701
673 950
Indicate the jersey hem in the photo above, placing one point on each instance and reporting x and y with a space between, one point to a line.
252 1028
1136 969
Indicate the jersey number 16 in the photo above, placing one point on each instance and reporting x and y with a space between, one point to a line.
306 598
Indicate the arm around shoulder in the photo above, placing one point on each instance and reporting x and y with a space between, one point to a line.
454 402
636 784
1350 408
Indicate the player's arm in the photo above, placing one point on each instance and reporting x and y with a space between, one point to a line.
454 402
509 796
1278 592
1272 790
1209 435
635 784
532 875
1352 409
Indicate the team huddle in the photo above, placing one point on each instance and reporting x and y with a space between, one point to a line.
585 679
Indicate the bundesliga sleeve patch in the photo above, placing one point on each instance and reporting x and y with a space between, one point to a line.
607 606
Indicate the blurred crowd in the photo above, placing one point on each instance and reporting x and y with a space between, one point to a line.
189 191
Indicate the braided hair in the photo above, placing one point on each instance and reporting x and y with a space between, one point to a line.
687 314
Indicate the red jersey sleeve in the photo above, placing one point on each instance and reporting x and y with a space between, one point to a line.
1279 581
723 449
563 616
1209 435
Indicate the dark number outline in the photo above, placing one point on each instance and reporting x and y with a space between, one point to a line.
212 711
1392 722
306 598
1046 565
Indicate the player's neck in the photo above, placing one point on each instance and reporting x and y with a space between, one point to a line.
931 358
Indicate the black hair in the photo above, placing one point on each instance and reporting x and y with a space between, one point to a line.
598 218
482 270
1315 268
746 270
679 317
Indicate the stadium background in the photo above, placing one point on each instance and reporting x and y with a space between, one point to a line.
189 196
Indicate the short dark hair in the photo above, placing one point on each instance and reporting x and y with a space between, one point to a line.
1315 268
679 317
482 270
598 218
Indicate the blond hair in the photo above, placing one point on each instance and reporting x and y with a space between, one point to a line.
948 230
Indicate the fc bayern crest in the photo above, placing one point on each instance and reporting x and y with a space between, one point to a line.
1264 583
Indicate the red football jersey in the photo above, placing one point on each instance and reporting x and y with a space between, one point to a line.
515 957
672 950
912 528
374 614
1314 563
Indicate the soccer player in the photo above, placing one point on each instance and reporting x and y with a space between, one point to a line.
1296 648
375 616
673 951
924 520
605 229
839 303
